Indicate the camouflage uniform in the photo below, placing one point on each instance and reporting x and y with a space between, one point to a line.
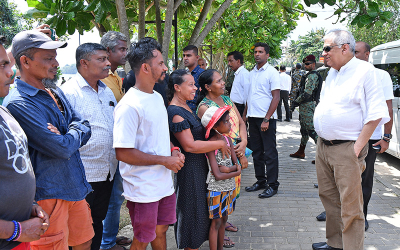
229 80
307 108
296 78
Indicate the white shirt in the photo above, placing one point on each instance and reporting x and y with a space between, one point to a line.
286 81
262 82
141 122
350 98
386 84
240 86
98 156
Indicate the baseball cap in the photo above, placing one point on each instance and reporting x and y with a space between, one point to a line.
309 58
211 117
33 39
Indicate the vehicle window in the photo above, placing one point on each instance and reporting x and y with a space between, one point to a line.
394 70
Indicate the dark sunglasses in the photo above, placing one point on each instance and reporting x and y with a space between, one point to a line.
328 48
308 63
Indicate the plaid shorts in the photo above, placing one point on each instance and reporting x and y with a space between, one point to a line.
221 204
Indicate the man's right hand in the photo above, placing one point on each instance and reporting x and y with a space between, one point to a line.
32 229
174 163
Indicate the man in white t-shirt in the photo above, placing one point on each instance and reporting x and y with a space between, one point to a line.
142 144
362 52
286 84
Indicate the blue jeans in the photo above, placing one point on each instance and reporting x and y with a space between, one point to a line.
111 222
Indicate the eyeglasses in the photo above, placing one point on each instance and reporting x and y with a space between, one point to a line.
308 63
328 48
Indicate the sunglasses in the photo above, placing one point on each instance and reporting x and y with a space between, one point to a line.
328 48
308 63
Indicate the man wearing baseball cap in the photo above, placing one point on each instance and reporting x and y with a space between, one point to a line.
55 133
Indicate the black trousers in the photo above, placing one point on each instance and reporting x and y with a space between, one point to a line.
367 177
98 201
285 99
265 154
240 108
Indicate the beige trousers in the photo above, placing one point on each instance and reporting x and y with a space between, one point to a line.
339 182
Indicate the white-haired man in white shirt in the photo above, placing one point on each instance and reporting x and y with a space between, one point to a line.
351 107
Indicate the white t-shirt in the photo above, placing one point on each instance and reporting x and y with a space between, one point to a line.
141 122
240 86
262 82
385 82
286 81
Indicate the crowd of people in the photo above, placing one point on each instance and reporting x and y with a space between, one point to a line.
174 146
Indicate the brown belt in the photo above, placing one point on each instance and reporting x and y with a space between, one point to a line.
333 142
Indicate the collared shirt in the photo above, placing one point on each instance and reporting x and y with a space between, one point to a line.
114 82
386 84
286 81
240 85
262 82
55 158
350 98
98 155
196 72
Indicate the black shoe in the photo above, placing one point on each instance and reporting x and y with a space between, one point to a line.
279 119
323 246
366 225
256 186
268 192
287 120
321 216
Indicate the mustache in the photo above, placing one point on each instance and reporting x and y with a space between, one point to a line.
107 68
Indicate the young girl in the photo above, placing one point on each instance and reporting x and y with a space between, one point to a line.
221 196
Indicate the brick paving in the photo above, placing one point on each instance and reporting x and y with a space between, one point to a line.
287 220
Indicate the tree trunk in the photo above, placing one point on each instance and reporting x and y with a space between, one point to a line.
123 26
167 29
200 21
142 16
176 5
158 21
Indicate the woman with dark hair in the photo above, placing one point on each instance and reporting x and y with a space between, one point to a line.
212 94
192 226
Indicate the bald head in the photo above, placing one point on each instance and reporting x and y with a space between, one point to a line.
362 51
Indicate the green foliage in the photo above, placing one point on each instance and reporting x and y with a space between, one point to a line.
381 32
9 25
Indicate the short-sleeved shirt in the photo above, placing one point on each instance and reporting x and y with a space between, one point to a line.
350 98
196 72
240 86
98 156
286 81
262 82
114 82
386 83
17 180
141 122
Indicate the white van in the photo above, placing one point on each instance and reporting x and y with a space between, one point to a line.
387 57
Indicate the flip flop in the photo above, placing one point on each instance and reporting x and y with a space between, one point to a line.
231 227
123 241
228 240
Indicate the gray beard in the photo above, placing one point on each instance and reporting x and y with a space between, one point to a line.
50 83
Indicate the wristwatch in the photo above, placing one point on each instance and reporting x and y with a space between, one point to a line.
266 120
389 136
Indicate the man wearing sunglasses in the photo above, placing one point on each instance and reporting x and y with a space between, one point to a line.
352 105
308 97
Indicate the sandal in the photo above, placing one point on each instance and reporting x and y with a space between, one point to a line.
231 227
228 243
123 241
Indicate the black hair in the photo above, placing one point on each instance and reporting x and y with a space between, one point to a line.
236 55
192 47
142 52
205 78
28 53
223 116
298 66
283 67
86 50
277 68
2 40
264 45
176 77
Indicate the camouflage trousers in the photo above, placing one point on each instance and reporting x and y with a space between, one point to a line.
306 117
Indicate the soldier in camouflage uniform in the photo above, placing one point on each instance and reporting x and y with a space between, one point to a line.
306 100
296 77
229 80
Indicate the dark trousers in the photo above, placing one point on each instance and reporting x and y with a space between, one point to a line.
285 99
98 201
367 177
265 154
240 108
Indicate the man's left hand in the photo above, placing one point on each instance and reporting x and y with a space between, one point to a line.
384 146
264 126
37 211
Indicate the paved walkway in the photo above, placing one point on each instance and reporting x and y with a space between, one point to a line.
287 220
